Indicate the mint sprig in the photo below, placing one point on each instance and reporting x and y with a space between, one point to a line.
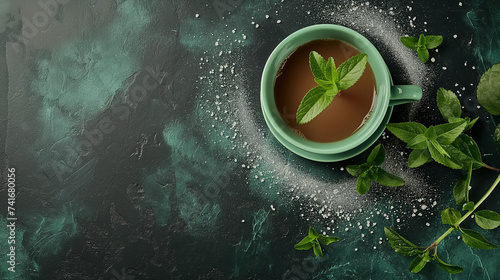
422 45
331 81
371 171
314 240
486 219
447 144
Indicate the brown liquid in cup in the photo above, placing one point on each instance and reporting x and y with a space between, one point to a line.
348 111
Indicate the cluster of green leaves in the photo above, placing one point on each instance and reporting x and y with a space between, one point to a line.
331 81
422 44
371 171
404 247
448 145
444 143
488 94
486 219
314 240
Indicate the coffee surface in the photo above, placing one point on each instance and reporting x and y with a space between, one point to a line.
350 108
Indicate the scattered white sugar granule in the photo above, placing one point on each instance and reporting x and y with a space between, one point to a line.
197 15
455 36
242 221
278 21
267 16
433 59
444 68
272 208
217 43
460 4
355 249
427 224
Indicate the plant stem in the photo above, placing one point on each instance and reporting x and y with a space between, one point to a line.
490 190
491 168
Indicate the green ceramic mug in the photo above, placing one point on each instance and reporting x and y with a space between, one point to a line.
387 96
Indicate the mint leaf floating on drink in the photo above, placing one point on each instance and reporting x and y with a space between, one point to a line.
314 240
331 81
371 171
422 45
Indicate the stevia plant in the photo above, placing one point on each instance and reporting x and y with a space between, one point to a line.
448 145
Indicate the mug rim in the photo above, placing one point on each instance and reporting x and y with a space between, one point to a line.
288 46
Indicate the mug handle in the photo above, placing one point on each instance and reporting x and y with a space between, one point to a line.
405 94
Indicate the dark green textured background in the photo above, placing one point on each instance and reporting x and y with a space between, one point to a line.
141 153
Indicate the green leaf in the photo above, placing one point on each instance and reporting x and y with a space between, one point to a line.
469 206
409 42
315 101
470 123
440 158
400 244
418 263
461 189
419 157
313 233
488 90
423 54
496 135
328 85
452 269
432 42
487 219
325 240
476 240
351 70
331 72
305 244
465 150
372 173
421 41
357 170
386 179
448 104
377 155
318 65
363 185
450 216
317 249
437 147
431 133
419 142
448 132
406 131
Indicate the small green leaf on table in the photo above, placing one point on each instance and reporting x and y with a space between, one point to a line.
476 240
487 219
